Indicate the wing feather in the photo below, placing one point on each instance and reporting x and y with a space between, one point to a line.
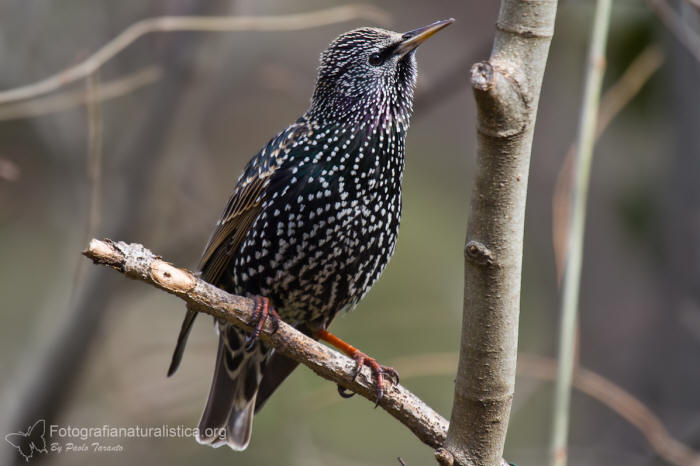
231 229
245 203
242 209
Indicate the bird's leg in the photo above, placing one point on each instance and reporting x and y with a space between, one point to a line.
263 311
361 359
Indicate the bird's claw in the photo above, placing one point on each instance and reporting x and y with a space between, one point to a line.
263 311
378 371
344 392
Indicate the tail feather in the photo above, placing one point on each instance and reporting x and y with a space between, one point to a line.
277 369
182 340
228 415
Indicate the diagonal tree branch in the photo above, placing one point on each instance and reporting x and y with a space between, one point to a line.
612 102
59 102
289 22
678 26
137 262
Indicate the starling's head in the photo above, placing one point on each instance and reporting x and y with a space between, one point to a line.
368 72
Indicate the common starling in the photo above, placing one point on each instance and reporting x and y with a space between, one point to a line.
312 221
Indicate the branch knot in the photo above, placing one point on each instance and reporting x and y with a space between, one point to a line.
444 457
482 76
502 106
478 253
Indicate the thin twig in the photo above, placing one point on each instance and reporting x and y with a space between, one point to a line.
572 274
614 99
137 262
291 22
674 22
94 153
620 401
93 168
617 96
67 100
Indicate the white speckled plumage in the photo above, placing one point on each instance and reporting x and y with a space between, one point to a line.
314 217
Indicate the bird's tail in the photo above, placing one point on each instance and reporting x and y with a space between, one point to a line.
228 416
182 340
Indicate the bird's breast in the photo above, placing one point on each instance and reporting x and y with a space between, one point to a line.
321 242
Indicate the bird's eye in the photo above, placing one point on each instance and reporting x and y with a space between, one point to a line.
375 59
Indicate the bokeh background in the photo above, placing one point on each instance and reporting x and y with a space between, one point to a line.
194 107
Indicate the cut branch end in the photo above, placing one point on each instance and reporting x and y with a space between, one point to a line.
501 106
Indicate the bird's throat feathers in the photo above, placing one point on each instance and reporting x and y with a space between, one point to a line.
374 104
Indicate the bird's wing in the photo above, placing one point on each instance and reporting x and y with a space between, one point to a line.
242 209
245 204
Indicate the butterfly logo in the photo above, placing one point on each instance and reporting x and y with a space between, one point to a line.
30 441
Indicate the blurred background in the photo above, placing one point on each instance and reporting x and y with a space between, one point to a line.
174 118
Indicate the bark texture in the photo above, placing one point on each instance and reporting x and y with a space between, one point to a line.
506 90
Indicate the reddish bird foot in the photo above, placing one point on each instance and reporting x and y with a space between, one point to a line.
263 311
378 371
361 359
